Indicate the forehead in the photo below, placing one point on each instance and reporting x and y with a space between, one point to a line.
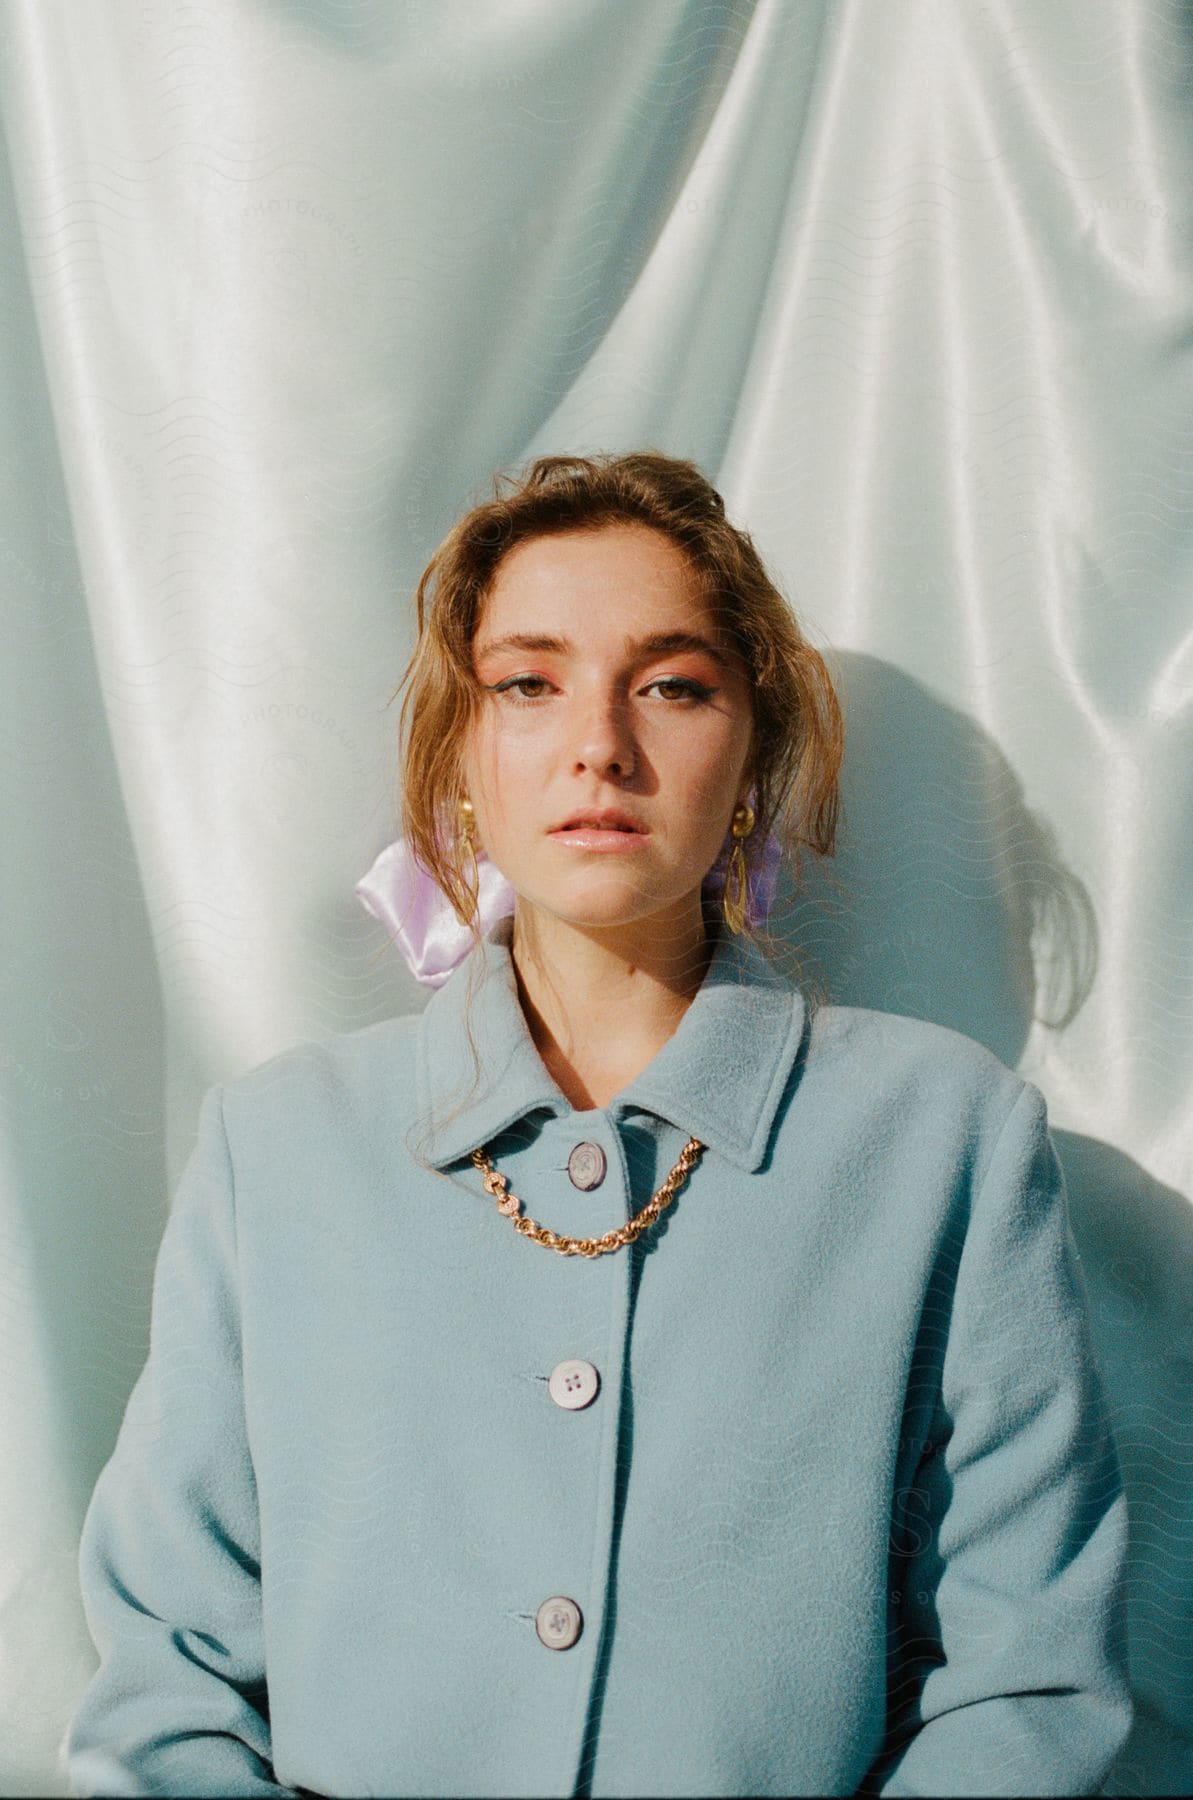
626 576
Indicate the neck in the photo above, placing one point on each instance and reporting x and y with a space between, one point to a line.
600 1002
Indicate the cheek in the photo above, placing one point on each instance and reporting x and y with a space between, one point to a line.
505 773
711 779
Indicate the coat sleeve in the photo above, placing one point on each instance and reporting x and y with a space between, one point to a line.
169 1556
1008 1659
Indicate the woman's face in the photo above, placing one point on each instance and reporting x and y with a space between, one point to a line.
605 688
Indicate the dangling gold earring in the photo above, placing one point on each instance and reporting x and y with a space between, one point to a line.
734 899
467 831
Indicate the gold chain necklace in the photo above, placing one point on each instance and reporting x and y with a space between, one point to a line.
511 1206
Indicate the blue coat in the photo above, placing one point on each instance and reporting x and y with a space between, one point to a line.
845 1513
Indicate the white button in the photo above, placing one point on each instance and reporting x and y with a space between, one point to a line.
558 1622
573 1383
586 1166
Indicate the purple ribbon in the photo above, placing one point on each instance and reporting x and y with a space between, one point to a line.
418 915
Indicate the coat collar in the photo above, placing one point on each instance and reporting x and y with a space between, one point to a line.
718 1078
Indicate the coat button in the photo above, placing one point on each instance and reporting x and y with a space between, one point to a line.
586 1166
558 1622
573 1383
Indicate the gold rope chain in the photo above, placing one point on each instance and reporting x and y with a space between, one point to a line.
510 1205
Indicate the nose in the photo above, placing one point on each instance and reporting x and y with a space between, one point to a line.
604 739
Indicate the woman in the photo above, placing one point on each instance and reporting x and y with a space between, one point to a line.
629 1376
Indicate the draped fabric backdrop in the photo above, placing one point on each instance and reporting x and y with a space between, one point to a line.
283 283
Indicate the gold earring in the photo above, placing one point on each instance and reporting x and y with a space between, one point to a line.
467 831
734 899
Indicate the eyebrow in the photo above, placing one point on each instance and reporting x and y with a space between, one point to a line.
659 643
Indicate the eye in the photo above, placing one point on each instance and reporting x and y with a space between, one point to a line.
687 688
519 681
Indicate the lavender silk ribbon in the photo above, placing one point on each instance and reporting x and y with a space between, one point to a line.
418 915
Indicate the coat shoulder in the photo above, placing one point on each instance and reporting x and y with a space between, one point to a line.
347 1073
905 1053
922 1101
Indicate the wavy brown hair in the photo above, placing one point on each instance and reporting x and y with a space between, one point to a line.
798 735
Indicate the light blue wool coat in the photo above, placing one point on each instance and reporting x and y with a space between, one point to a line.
845 1515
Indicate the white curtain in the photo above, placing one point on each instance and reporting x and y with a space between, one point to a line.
283 284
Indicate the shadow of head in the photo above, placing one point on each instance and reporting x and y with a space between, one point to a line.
947 898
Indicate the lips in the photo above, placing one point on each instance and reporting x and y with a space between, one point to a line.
610 818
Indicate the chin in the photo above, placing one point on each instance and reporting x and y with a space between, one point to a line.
601 904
